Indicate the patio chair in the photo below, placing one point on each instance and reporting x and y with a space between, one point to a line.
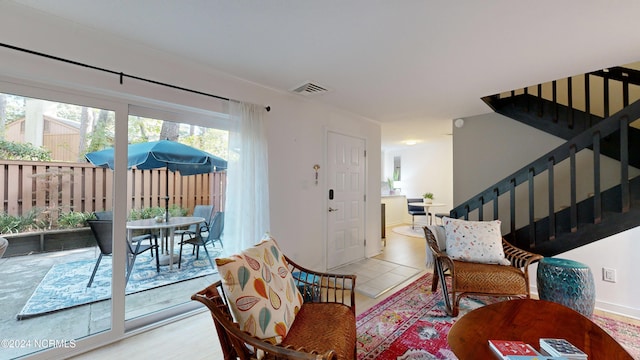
217 228
108 215
103 232
103 215
4 244
197 240
203 211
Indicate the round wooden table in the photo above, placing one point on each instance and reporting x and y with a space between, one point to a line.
529 320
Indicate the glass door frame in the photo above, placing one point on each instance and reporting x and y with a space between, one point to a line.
117 329
202 118
121 106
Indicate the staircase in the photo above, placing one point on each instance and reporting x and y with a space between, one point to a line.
542 202
560 109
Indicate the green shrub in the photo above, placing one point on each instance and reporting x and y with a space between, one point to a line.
146 213
151 212
74 219
23 151
36 219
15 224
9 224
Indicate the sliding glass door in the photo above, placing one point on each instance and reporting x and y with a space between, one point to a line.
153 294
49 191
50 307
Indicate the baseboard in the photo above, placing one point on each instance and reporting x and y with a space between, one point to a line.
618 309
606 307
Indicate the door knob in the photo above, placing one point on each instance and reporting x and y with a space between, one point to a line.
332 209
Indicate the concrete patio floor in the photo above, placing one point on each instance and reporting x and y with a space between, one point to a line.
20 275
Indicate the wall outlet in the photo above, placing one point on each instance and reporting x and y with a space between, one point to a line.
609 275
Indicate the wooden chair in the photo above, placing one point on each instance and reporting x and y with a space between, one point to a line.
324 328
468 278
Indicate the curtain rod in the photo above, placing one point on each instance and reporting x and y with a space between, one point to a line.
120 74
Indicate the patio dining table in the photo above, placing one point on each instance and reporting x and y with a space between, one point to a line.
165 228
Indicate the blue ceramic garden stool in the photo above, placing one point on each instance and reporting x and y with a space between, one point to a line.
567 282
308 285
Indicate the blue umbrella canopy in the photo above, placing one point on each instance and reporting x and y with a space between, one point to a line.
168 154
173 155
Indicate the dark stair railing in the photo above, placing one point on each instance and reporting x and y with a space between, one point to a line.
591 138
561 109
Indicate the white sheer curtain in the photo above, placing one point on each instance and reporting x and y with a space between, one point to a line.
247 202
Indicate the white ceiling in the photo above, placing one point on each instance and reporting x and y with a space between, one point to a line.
411 65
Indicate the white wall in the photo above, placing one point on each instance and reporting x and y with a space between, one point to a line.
395 210
426 167
619 252
296 127
490 147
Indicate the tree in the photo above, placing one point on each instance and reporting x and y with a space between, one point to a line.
3 114
101 137
84 125
170 131
140 128
214 141
14 108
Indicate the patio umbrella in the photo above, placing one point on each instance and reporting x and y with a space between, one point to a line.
168 154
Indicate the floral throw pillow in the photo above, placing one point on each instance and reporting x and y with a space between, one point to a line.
261 291
474 241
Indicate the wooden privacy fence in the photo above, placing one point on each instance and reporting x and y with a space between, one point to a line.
57 187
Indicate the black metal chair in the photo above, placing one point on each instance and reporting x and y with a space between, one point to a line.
415 210
103 215
203 211
103 232
108 215
197 240
217 227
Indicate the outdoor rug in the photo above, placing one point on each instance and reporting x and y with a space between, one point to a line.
412 324
406 230
65 285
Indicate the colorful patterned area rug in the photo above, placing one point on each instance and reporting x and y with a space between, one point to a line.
65 285
412 324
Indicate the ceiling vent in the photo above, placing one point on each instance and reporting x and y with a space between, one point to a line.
310 88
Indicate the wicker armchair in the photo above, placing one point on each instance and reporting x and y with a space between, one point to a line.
468 278
324 328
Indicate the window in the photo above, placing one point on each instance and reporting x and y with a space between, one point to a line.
51 192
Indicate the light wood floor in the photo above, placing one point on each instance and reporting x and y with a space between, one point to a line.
195 337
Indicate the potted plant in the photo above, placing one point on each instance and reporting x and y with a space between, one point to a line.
390 185
428 197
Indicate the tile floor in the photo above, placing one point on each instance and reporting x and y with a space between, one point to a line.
375 277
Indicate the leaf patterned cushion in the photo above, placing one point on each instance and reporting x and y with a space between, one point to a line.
261 291
474 241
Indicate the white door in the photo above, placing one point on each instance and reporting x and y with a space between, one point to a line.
346 193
